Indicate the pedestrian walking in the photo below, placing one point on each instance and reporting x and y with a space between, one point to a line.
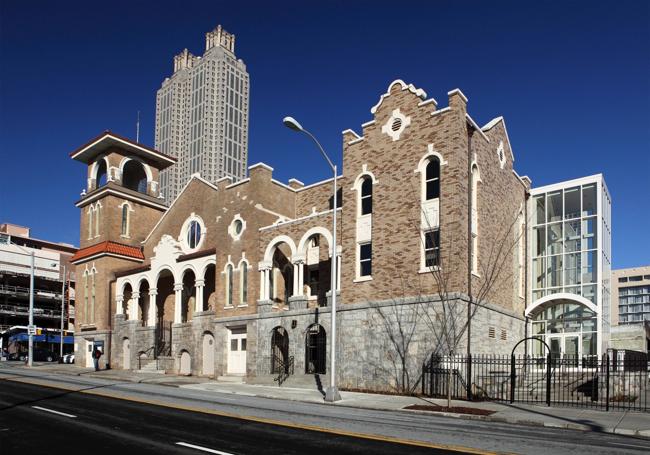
96 355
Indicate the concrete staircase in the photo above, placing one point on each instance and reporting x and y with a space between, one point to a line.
149 365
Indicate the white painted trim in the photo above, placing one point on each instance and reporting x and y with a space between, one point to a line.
231 227
182 236
491 124
596 178
126 159
295 220
368 123
429 101
355 141
476 127
410 87
107 190
302 244
262 165
387 128
322 182
283 185
168 209
128 144
268 257
296 181
351 131
281 217
441 111
238 182
361 279
458 91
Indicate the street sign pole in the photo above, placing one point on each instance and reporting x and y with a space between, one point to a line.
30 354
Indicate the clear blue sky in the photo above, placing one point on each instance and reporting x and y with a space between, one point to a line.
571 78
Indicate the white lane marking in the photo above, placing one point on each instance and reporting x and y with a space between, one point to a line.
628 445
205 449
54 412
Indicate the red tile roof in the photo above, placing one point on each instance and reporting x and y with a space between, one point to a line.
108 247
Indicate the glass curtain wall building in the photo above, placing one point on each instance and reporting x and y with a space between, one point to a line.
570 268
202 115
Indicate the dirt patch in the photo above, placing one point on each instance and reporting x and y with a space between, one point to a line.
454 409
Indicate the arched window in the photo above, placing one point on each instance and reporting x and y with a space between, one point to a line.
229 272
92 298
91 211
98 211
366 196
243 283
86 299
101 177
125 220
476 177
432 179
193 234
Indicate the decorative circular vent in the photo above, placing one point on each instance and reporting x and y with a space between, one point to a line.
397 124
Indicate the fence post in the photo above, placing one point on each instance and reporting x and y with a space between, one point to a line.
607 383
469 377
423 375
513 378
548 380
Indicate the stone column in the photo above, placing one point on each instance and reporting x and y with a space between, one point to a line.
295 276
119 304
178 297
198 303
133 306
151 317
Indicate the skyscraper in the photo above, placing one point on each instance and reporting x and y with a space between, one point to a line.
202 115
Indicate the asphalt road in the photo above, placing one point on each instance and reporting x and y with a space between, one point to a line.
34 417
102 423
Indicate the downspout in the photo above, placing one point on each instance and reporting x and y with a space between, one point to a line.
526 197
469 240
110 325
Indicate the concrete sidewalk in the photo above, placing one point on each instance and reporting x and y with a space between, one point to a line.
618 422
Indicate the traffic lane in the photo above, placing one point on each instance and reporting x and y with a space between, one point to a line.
112 424
439 430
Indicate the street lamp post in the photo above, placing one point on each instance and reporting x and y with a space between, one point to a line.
332 393
30 354
62 312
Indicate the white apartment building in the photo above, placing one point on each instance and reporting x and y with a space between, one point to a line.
202 115
570 268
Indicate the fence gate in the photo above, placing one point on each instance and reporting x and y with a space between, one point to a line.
315 350
618 380
163 338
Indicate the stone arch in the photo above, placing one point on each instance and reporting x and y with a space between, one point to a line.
185 363
302 245
134 176
165 281
270 248
127 299
208 351
145 166
143 300
98 169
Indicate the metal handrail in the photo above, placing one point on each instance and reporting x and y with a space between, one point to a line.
285 369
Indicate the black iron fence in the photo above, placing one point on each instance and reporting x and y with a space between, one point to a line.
618 380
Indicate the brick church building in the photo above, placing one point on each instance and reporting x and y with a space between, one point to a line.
234 278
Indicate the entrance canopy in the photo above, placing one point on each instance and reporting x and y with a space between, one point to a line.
561 297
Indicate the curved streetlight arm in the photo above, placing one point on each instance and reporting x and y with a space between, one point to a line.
320 147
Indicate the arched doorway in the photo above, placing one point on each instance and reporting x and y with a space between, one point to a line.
208 355
126 354
188 296
143 302
186 364
279 350
127 300
569 325
165 302
315 349
209 295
